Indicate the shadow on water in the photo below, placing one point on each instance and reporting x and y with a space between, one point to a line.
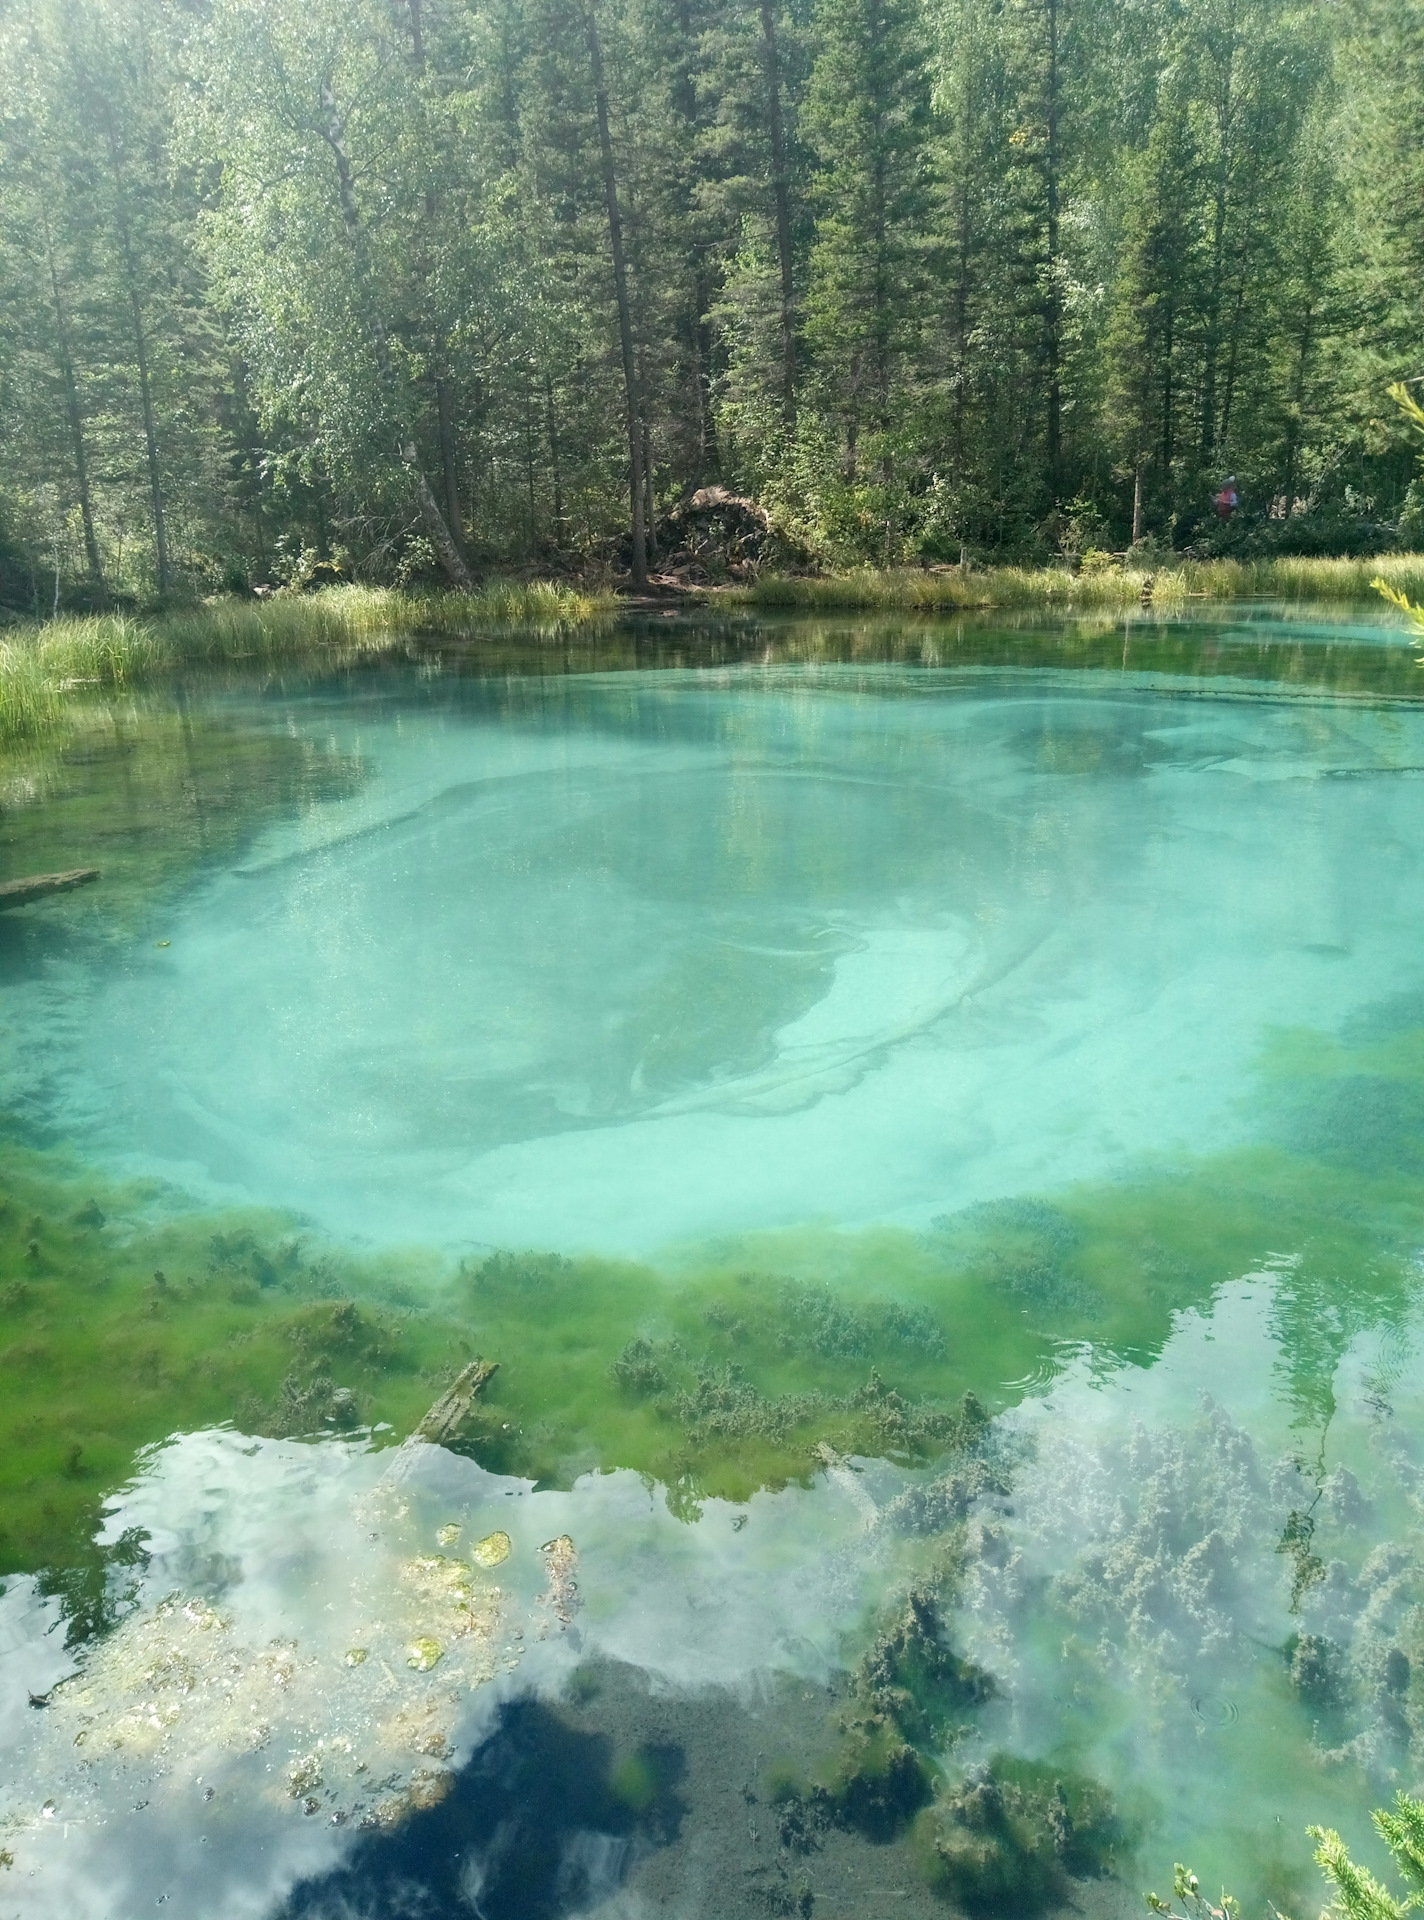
544 1821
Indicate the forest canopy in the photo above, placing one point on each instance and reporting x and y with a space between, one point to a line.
423 289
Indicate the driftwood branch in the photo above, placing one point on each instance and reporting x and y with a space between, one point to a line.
446 1419
19 893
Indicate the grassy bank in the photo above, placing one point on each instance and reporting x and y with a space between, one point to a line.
42 663
912 589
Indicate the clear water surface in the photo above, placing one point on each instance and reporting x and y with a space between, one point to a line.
760 936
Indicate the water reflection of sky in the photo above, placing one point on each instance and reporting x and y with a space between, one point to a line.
220 1746
298 1663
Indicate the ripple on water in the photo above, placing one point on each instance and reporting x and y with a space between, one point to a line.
1215 1710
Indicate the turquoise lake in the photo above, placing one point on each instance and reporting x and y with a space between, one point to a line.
1041 1005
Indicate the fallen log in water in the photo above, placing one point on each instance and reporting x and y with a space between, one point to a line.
19 893
445 1424
446 1419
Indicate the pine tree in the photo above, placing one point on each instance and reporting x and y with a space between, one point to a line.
866 113
1160 247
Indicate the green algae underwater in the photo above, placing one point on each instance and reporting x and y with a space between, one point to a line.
127 1316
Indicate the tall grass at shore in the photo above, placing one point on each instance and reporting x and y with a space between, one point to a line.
42 663
911 589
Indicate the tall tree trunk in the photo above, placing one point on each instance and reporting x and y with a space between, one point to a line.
1211 342
1053 319
445 420
1238 315
247 440
529 459
150 432
781 199
1225 116
333 132
650 518
1233 354
881 307
554 464
881 322
75 416
145 384
1297 412
620 287
698 332
444 415
961 325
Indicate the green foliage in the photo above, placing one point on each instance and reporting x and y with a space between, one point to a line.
926 276
1357 1894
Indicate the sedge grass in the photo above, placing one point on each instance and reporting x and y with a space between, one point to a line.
41 664
908 589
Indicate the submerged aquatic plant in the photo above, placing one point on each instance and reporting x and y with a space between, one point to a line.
1009 1836
736 1369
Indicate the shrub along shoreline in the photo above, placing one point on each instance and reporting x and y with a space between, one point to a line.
44 664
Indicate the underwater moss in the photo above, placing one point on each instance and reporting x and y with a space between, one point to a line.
646 1782
114 1335
907 1698
910 1676
127 1314
1006 1838
1317 1669
713 1378
881 1782
1024 1248
818 1321
1363 1120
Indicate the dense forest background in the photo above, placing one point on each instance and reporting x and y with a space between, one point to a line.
427 288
